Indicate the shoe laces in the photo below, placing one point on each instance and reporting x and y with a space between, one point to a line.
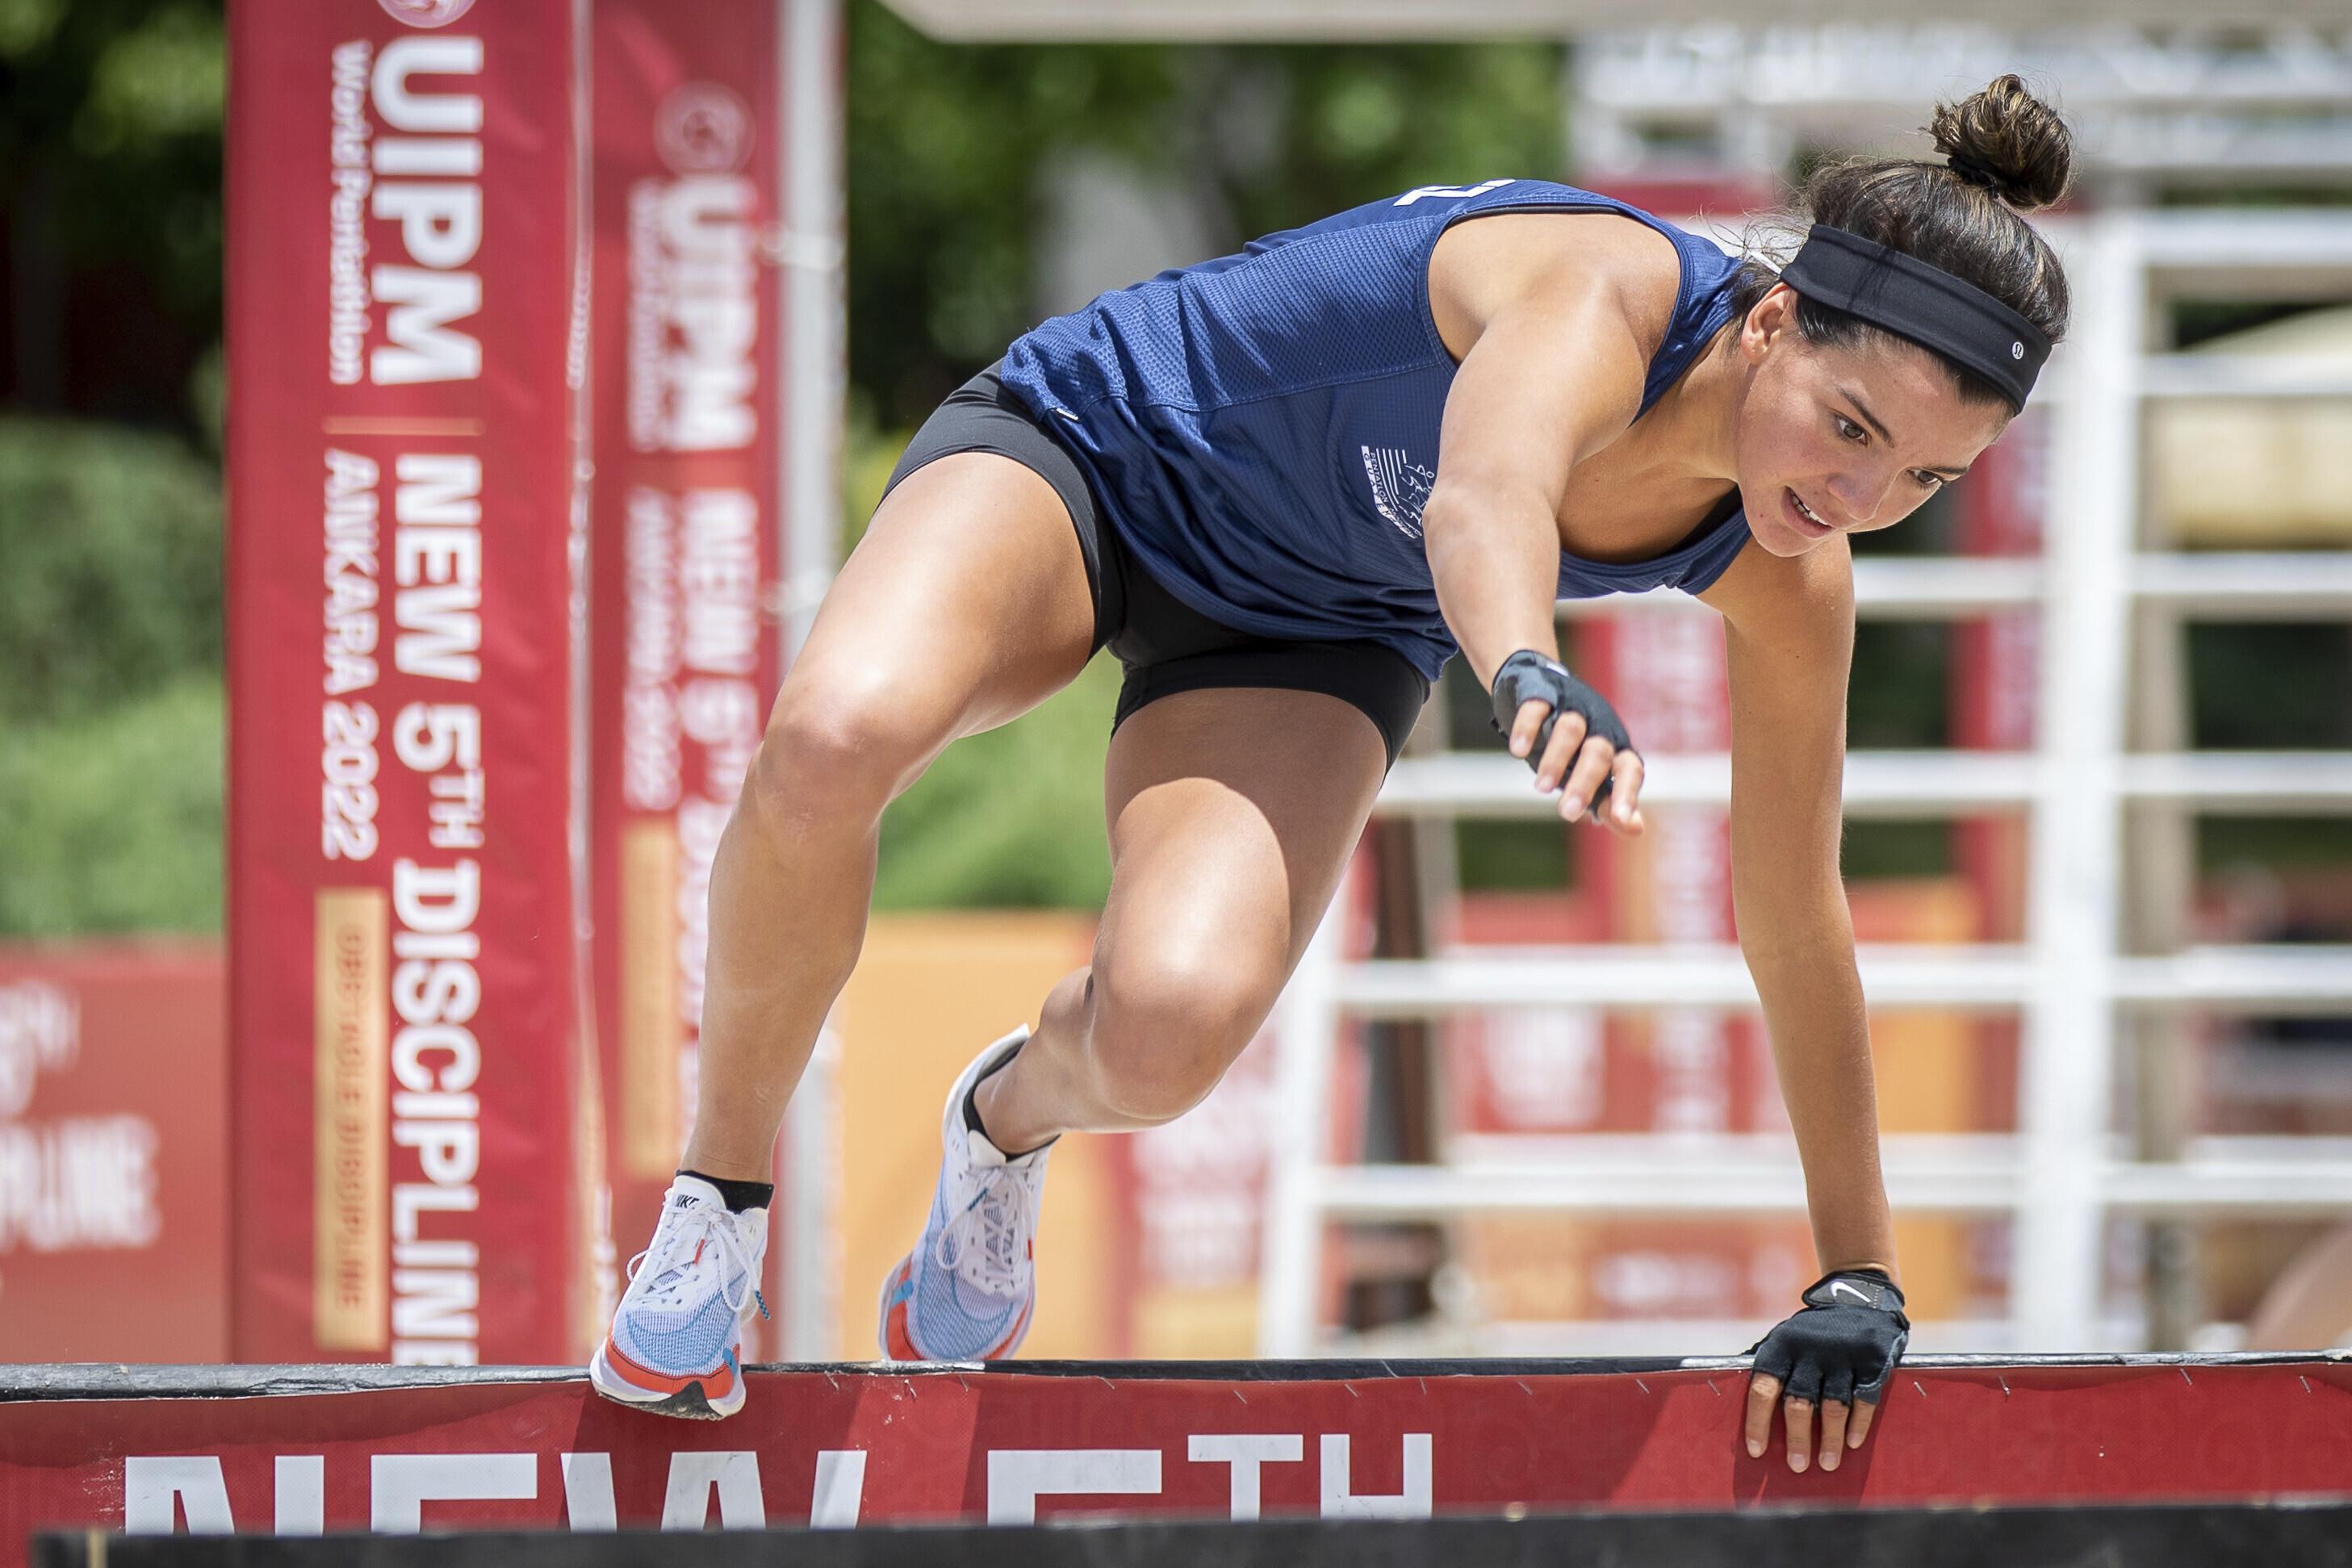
673 1260
987 1244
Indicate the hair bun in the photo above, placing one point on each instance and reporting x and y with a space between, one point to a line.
2009 141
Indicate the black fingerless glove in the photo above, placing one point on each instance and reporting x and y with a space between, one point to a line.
1529 677
1843 1345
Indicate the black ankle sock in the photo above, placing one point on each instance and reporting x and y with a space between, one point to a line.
739 1194
972 1113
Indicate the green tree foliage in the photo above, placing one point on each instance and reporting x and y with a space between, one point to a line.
110 707
111 587
944 141
1008 820
1342 126
111 821
1012 819
947 141
110 155
111 117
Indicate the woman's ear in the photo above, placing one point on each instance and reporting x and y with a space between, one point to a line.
1770 320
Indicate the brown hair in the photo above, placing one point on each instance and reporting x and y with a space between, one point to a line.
2007 153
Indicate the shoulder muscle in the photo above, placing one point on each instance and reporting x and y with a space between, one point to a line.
1554 318
1485 266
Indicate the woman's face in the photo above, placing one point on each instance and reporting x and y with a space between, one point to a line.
1844 440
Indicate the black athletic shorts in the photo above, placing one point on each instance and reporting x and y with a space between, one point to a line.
1164 644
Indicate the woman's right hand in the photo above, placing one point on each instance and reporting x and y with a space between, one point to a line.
1573 740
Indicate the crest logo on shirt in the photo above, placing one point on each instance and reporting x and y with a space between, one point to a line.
1400 486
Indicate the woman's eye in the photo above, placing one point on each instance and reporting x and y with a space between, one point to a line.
1927 481
1847 427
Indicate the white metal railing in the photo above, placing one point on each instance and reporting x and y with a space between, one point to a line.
1896 783
2241 584
2247 585
1676 1182
1943 976
1474 980
1879 783
2063 1172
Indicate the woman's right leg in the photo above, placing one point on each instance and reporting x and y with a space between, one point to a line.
965 605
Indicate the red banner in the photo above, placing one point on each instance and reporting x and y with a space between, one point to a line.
113 1149
1995 674
687 347
859 1445
413 1108
1996 664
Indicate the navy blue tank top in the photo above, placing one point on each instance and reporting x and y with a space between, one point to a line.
1261 428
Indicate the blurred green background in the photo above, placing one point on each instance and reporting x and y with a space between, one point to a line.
111 125
110 397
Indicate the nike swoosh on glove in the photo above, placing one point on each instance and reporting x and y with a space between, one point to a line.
1842 1345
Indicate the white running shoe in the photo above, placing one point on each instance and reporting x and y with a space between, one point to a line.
676 1342
966 1291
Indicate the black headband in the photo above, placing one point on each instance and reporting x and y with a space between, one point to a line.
1923 303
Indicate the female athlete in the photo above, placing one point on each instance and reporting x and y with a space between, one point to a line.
1231 475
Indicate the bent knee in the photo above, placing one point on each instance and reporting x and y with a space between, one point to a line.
1167 1024
837 750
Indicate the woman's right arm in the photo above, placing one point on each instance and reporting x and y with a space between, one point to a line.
1559 318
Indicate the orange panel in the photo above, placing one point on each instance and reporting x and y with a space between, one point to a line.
929 991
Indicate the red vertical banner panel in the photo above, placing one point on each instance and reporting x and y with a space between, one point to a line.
1997 665
1996 678
687 356
113 1134
407 1051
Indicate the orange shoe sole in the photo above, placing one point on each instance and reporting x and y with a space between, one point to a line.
704 1395
898 1345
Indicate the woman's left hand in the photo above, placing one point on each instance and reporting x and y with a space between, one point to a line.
1837 1354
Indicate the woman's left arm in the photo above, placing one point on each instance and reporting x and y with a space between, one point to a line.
1788 634
1789 638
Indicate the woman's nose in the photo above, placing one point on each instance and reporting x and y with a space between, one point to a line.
1859 495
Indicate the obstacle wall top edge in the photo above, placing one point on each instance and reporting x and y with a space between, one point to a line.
80 1380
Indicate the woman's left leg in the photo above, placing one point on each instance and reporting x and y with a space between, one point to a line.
1232 813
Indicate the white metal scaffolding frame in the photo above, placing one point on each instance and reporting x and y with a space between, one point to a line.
2066 1170
2216 100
